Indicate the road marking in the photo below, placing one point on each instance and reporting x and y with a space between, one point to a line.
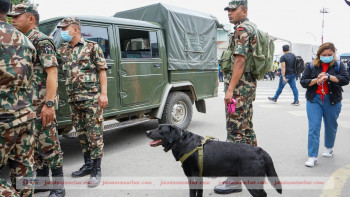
338 180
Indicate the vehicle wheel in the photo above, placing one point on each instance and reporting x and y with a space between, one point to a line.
177 110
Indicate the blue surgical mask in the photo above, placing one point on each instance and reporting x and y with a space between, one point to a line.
65 36
326 59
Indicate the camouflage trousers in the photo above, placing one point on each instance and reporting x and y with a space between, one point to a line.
48 152
87 118
17 149
239 125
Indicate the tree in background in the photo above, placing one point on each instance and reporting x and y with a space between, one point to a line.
15 2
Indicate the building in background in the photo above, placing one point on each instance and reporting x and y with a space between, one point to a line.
306 51
222 38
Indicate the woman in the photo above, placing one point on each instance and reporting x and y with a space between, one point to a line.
323 80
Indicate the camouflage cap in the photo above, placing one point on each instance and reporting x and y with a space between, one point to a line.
22 8
234 4
68 21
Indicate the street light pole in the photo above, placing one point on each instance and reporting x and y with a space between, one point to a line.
323 11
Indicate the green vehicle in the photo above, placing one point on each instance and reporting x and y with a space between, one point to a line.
156 69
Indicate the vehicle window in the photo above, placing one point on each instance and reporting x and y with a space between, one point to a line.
99 35
48 28
154 44
136 44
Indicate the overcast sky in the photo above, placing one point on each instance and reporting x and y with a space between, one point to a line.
297 20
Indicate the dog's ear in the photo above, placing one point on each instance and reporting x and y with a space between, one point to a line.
174 133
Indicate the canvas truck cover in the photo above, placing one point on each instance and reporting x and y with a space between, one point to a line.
190 36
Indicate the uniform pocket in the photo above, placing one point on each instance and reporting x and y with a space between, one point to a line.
85 63
89 77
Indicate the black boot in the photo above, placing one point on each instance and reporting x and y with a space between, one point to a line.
85 169
42 174
57 177
95 176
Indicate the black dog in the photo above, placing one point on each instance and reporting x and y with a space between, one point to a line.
221 159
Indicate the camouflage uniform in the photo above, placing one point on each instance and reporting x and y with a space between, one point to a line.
48 150
239 125
17 55
81 65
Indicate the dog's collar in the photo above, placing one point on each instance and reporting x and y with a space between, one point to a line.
200 154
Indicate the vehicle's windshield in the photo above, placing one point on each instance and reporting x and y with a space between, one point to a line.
51 30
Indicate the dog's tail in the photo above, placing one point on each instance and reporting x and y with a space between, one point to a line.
271 172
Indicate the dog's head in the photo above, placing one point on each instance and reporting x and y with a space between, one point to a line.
165 135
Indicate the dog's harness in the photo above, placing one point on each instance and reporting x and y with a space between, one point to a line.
200 154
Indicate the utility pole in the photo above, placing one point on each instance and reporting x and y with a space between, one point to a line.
323 11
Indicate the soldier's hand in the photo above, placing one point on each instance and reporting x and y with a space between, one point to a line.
47 115
228 97
103 101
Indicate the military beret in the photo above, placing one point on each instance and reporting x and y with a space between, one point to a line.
23 8
234 4
68 21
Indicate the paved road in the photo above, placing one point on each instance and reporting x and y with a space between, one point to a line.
281 130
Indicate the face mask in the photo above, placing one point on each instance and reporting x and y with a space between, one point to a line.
326 59
65 36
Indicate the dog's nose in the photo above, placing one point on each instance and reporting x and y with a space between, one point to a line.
148 132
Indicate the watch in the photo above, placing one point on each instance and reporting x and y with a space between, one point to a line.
329 76
49 104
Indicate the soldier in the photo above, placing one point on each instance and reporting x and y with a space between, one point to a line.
239 85
17 55
86 83
48 153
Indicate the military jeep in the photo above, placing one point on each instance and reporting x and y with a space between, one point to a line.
158 65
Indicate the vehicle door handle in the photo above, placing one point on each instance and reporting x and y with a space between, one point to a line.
156 65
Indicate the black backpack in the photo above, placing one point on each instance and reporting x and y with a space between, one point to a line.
299 66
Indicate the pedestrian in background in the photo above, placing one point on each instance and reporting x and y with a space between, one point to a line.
323 81
278 69
271 72
17 55
86 83
287 76
221 76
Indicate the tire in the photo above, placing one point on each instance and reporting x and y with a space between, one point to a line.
177 110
